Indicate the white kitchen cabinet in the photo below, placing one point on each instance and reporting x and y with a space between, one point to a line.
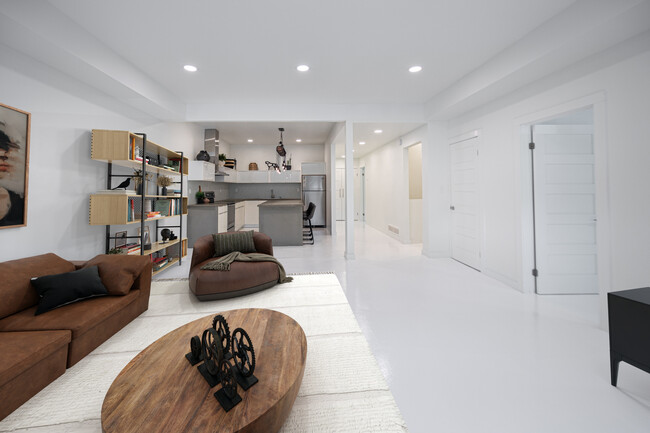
232 175
253 176
201 170
288 176
252 213
240 212
222 219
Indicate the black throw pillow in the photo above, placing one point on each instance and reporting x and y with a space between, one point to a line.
62 289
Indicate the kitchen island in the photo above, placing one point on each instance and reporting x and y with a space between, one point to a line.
282 221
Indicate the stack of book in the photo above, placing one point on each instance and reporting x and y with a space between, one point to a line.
159 263
153 214
133 249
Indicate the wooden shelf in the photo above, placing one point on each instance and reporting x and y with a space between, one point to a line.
114 147
107 209
113 209
169 263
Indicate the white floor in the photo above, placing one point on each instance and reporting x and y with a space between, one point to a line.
465 353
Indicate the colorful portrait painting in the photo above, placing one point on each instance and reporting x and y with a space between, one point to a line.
14 163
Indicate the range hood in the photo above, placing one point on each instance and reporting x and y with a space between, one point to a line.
211 145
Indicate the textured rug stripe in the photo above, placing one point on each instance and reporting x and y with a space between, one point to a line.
358 413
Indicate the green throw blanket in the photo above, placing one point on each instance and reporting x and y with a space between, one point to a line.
223 263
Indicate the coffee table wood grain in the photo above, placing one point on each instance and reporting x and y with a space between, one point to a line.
159 391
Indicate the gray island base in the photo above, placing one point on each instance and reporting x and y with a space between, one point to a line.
282 221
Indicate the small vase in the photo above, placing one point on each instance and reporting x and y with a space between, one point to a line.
164 190
203 156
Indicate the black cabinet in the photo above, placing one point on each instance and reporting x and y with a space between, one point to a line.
629 329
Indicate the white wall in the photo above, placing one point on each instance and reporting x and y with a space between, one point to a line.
259 153
621 123
61 174
387 192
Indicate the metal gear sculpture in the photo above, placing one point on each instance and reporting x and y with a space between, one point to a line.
212 351
227 378
243 352
195 346
221 326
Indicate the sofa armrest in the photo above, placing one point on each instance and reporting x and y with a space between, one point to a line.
202 250
263 243
143 283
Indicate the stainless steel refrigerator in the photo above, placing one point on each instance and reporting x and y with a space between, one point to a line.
314 190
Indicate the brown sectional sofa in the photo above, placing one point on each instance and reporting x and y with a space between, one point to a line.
35 350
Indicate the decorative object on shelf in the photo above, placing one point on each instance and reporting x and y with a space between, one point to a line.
172 236
287 164
272 166
164 182
120 239
124 184
230 163
14 166
137 179
222 159
146 239
165 234
203 156
252 166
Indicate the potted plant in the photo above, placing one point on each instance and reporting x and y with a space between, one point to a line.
164 182
222 159
200 196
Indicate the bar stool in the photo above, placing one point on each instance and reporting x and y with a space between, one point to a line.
308 231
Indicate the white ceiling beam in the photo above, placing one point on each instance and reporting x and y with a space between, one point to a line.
584 29
49 36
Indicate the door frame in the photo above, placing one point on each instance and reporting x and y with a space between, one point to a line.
521 129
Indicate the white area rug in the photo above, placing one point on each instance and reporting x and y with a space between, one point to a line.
343 389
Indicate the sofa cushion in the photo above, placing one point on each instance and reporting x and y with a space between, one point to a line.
15 286
118 272
226 243
61 289
78 317
20 351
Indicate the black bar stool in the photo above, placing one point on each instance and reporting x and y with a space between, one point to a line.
308 231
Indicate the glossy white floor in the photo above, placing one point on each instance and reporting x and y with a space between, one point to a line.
465 353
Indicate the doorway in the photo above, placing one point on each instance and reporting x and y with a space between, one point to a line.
359 193
415 193
564 204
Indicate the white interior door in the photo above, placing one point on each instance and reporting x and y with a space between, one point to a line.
565 209
465 246
340 194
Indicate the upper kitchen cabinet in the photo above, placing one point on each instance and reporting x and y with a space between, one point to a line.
288 176
201 170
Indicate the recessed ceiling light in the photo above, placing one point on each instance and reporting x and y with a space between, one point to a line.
415 68
250 140
298 140
302 68
190 68
362 143
378 131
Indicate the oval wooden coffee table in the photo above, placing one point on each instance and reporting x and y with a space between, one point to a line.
160 391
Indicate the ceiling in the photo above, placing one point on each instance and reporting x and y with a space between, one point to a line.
358 51
129 56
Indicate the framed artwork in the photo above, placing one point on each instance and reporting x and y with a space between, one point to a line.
147 237
120 240
14 166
